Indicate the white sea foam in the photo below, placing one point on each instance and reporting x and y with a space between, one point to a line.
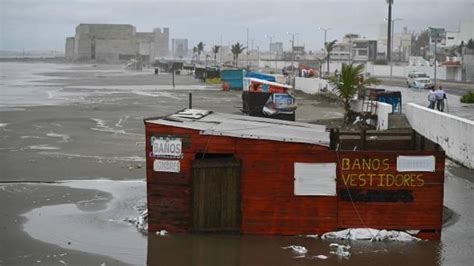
43 147
96 157
30 137
150 88
65 138
103 127
3 124
161 94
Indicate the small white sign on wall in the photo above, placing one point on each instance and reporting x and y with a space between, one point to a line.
167 147
415 163
171 166
315 179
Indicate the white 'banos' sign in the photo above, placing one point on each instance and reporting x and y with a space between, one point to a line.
166 147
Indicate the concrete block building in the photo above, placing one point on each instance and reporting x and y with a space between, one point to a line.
179 48
69 48
112 43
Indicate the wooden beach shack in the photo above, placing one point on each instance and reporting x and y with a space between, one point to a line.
215 172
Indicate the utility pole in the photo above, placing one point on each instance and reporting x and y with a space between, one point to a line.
325 41
220 50
247 47
436 35
292 49
435 64
270 43
389 30
325 32
391 45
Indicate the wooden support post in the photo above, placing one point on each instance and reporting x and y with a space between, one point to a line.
332 139
413 139
422 142
363 138
173 77
190 100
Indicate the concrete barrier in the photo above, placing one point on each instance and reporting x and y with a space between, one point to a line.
454 134
311 85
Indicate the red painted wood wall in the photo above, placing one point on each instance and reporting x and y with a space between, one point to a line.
268 203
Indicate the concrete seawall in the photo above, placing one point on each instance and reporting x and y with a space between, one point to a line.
454 134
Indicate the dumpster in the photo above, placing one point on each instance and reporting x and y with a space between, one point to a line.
232 78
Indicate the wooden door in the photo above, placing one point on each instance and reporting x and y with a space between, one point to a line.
216 195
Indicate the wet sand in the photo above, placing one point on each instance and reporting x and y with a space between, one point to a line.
93 129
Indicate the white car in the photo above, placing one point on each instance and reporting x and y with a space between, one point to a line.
419 80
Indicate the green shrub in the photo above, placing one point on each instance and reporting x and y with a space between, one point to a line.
468 97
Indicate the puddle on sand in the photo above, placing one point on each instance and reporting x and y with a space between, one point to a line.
95 225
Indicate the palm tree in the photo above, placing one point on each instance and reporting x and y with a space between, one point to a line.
237 49
349 81
195 50
215 50
200 49
329 46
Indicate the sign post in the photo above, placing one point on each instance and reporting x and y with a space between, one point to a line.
437 34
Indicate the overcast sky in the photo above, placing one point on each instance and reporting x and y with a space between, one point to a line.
44 24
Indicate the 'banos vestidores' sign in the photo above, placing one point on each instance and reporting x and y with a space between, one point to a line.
368 178
171 148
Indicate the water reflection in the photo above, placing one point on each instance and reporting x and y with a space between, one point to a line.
201 249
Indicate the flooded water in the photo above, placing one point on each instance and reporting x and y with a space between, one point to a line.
97 226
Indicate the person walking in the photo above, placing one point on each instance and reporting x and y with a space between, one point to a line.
440 96
432 98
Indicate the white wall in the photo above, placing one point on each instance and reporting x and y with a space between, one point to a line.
454 134
311 85
397 71
403 71
382 110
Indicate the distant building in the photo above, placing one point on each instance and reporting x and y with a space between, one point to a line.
69 48
162 40
276 47
465 32
401 44
355 48
116 42
179 48
145 45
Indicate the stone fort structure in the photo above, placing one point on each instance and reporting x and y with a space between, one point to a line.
111 43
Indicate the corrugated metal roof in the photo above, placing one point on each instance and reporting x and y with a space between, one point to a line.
240 126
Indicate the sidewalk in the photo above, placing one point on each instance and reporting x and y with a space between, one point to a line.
452 105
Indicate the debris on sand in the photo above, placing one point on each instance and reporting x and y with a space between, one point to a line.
141 221
297 250
161 233
340 250
321 257
370 234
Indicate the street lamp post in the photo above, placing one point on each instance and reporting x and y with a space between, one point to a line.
325 41
292 49
270 43
389 29
391 44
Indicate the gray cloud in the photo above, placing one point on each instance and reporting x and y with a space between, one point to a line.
45 24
